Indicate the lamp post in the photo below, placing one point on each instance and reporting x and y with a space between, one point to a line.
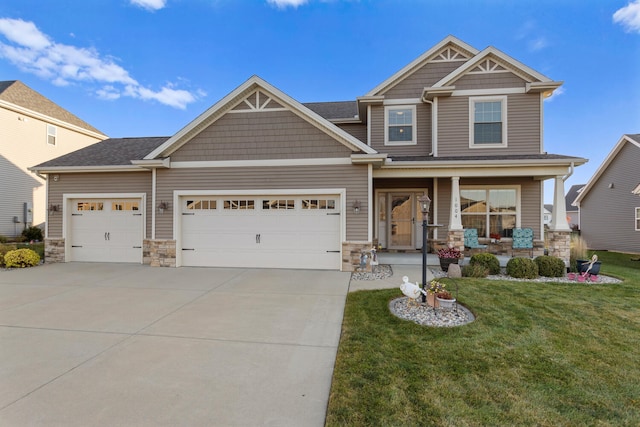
425 203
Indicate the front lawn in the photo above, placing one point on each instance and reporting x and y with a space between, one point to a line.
538 354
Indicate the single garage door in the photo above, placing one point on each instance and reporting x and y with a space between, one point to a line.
106 230
261 231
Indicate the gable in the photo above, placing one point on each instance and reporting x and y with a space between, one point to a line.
263 114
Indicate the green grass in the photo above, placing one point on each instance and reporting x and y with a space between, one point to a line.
538 354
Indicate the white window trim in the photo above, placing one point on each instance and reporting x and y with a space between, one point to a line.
472 102
414 125
54 134
637 221
518 189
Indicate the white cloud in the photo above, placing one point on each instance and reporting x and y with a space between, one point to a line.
629 17
34 52
149 4
537 44
283 4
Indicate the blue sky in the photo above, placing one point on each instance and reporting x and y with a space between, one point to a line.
149 67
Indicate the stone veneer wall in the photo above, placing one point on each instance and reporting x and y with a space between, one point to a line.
455 239
53 250
351 253
560 245
159 253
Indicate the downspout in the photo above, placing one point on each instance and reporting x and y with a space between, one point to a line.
433 124
571 168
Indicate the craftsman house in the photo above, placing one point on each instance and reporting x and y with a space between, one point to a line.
261 180
610 202
33 129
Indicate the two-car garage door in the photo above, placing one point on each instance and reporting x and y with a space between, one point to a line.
282 231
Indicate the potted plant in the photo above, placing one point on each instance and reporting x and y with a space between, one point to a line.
449 256
439 296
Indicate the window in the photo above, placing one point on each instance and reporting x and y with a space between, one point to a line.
201 204
489 210
487 121
400 125
124 206
90 206
318 204
51 134
637 219
278 204
239 204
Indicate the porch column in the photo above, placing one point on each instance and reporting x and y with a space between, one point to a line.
559 214
455 220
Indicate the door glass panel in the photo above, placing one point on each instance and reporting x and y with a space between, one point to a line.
401 220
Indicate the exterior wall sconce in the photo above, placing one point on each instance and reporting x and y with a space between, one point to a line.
356 207
162 206
54 208
611 185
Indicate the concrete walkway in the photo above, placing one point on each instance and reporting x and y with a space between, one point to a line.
117 344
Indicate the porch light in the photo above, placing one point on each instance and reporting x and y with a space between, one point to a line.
162 206
356 207
425 204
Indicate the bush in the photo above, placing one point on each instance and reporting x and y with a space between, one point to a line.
522 268
3 250
475 270
3 239
32 233
21 258
550 266
487 260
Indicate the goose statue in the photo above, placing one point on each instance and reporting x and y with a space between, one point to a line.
411 290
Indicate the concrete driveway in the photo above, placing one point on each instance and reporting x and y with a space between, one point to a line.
118 344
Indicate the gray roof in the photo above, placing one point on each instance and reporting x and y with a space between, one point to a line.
548 207
635 137
17 93
110 152
571 197
334 110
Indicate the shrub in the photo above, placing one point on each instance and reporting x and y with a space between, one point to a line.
475 270
487 260
550 266
3 250
32 233
3 239
522 268
21 258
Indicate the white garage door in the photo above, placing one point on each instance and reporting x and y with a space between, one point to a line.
261 231
106 230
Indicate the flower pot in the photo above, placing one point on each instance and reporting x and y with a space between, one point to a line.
445 262
446 303
432 301
583 264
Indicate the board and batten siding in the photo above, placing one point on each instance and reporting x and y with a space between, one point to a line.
353 178
260 136
423 123
99 182
413 84
607 215
489 81
523 127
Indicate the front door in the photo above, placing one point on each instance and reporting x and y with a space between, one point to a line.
401 235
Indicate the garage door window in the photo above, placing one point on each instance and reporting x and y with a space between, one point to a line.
201 204
124 206
239 204
90 206
278 204
318 204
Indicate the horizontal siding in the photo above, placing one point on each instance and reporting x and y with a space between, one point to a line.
355 130
126 182
422 148
489 81
413 85
607 215
353 178
523 127
260 136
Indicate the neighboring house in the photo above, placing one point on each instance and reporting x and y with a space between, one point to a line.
261 180
33 129
546 214
609 204
573 210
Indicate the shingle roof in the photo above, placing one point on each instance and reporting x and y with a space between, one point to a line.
334 110
571 197
110 152
16 92
635 137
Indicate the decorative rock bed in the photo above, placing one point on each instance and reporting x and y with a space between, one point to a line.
425 315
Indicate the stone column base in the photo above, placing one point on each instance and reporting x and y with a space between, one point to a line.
352 253
560 245
159 253
455 239
53 250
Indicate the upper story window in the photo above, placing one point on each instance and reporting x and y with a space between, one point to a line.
487 121
637 219
52 131
400 125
